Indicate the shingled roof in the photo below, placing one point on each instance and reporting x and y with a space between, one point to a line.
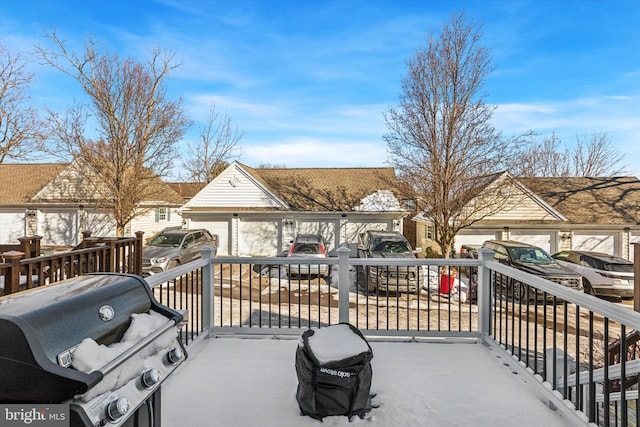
332 189
20 182
187 189
591 200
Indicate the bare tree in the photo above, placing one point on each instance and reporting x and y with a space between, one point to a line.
125 134
595 155
542 159
269 165
440 138
217 145
591 156
21 130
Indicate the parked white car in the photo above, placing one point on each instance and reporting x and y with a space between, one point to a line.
602 274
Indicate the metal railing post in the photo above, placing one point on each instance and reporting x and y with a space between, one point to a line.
207 252
636 276
484 292
343 284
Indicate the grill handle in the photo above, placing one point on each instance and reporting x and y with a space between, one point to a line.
126 355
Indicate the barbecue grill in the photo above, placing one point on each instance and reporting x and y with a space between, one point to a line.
100 343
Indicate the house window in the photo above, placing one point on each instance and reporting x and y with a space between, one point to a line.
429 231
163 214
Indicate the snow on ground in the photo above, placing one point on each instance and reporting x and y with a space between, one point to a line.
233 382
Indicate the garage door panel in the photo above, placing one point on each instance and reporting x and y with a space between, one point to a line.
543 240
12 226
221 229
353 229
101 224
476 239
258 238
60 228
604 242
326 228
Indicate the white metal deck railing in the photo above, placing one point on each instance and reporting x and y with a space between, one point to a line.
565 339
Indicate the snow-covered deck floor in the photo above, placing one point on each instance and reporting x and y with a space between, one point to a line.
231 382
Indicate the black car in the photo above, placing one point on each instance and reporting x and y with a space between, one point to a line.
469 251
383 277
533 260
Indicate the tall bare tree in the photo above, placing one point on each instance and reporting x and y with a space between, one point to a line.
544 158
592 155
21 130
126 131
595 155
216 146
440 138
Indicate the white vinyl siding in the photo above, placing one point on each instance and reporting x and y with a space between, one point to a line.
233 188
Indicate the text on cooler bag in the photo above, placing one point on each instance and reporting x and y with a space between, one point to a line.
336 373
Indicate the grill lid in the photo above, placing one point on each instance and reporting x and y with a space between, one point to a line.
39 328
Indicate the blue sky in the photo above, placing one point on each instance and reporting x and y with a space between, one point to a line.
308 81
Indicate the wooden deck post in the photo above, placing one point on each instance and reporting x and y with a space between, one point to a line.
36 244
13 258
25 246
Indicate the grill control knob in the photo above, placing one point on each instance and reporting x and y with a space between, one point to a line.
175 355
150 377
117 408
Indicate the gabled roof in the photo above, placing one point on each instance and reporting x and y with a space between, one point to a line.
187 189
332 189
576 200
56 182
240 187
20 182
603 200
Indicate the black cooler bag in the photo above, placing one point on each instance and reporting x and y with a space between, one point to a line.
334 372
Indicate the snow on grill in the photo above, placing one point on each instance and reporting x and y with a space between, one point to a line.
100 343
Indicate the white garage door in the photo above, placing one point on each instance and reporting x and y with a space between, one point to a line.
258 238
326 228
60 228
221 228
11 227
100 223
601 242
544 240
355 228
477 238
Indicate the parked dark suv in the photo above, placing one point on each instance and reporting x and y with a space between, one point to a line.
533 260
383 277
